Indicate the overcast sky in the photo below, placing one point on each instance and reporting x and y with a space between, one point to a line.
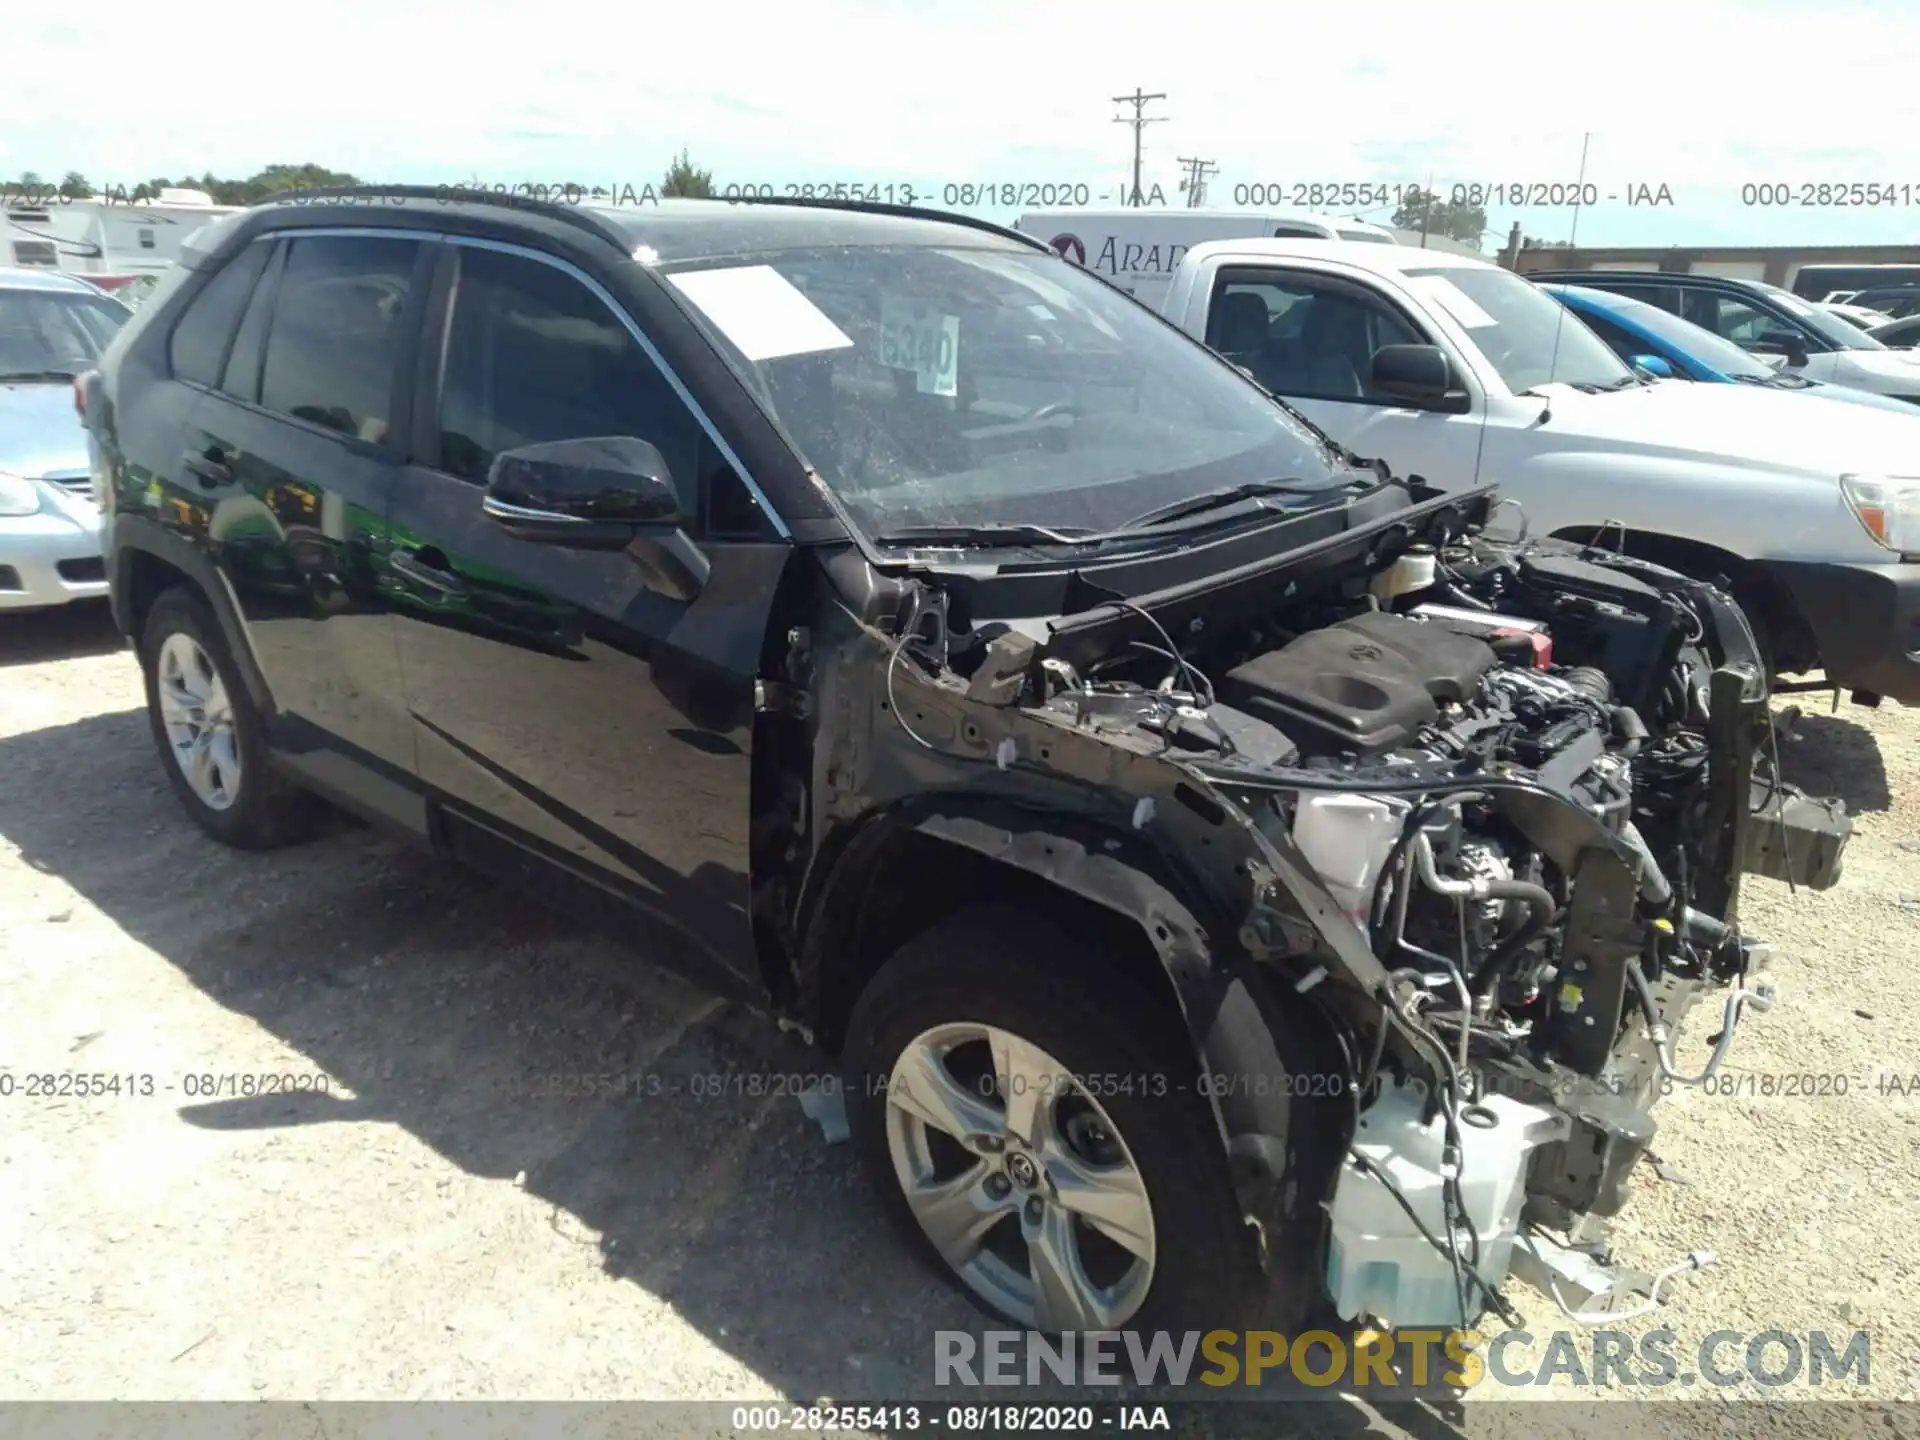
1697 95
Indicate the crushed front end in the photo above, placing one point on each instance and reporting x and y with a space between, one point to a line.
1478 807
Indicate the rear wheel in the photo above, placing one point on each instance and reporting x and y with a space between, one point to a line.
1032 1120
211 740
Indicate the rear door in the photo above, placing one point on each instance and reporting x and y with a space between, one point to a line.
1309 337
561 707
291 455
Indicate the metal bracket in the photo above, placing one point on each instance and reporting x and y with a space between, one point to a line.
1581 1280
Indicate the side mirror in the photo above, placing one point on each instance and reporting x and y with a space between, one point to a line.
1421 375
1782 342
604 493
1655 365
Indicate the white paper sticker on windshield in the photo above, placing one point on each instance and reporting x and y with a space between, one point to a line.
761 311
915 336
1451 298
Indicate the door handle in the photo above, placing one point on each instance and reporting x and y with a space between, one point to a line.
414 567
208 469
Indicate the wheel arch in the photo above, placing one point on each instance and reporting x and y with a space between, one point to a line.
906 869
148 561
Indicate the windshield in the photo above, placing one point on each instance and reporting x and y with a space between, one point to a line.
962 387
1529 337
50 333
1829 327
1685 336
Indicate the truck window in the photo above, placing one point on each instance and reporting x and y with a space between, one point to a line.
1729 318
1525 334
1300 336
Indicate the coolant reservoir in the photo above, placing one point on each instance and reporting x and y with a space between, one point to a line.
1347 838
1413 571
1378 1263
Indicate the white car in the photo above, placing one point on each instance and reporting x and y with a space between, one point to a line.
1466 374
1858 315
52 328
1139 248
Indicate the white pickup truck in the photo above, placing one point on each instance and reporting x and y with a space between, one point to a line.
1463 373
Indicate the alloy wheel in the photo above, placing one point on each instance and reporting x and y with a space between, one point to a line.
1020 1179
198 717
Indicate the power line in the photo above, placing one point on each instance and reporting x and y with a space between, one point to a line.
1195 185
1139 121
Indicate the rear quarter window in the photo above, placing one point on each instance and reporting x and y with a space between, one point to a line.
198 348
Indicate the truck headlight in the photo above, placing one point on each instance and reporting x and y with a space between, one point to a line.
1888 506
18 495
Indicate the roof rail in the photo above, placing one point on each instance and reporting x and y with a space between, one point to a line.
876 207
460 195
589 219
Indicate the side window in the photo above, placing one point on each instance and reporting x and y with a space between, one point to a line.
1663 297
532 355
1619 341
1731 319
1301 336
337 330
198 348
241 378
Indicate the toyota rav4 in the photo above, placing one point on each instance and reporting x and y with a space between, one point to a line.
1226 872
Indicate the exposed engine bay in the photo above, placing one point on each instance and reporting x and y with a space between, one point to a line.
1483 806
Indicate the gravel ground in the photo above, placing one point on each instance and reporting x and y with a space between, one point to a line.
425 1229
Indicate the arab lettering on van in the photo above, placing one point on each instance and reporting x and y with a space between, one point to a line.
1137 259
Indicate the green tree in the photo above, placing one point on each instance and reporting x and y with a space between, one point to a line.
76 186
687 182
278 178
30 180
1425 210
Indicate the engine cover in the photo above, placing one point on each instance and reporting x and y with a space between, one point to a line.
1365 685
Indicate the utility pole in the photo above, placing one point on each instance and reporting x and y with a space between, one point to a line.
1139 122
1196 182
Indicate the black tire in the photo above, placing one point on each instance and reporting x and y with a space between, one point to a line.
267 811
1015 969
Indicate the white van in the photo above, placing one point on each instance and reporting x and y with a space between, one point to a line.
1137 249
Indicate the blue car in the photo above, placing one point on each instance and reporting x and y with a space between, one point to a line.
1663 344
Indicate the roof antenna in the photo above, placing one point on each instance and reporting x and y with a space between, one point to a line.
1553 361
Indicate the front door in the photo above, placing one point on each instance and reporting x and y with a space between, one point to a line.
559 703
1309 338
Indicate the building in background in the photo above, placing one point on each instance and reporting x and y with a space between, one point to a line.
1774 264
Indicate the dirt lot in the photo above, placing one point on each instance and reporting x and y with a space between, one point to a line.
425 1230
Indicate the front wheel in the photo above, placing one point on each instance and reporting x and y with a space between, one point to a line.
1032 1119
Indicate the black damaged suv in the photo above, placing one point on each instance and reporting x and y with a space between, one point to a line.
1187 834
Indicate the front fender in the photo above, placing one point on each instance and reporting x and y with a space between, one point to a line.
1258 1057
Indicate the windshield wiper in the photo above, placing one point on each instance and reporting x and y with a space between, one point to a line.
990 532
1218 499
8 377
